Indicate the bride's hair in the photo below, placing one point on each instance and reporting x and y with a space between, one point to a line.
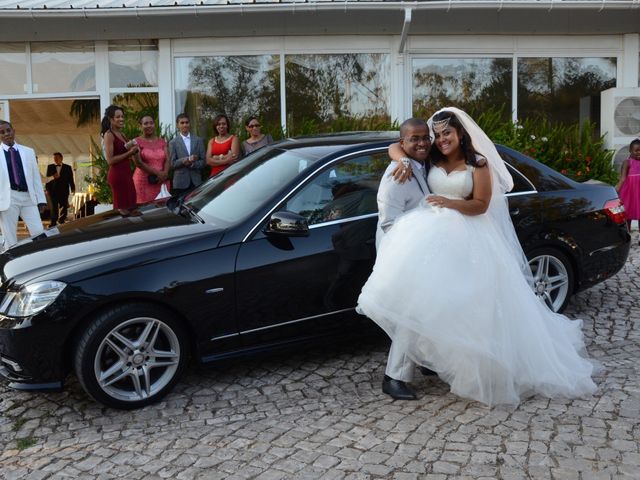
450 119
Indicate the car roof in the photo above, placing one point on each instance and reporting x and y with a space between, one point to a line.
341 138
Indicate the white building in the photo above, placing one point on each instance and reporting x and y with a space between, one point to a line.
295 62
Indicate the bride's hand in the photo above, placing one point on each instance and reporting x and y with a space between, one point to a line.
438 201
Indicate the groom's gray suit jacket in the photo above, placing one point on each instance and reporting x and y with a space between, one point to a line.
396 198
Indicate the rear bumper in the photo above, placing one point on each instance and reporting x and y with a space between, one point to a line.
604 262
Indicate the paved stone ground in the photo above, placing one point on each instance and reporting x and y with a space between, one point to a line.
321 414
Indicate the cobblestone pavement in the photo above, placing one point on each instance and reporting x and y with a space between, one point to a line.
321 414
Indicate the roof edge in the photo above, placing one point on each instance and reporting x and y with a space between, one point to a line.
446 5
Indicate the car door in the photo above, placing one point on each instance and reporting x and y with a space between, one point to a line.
292 287
524 207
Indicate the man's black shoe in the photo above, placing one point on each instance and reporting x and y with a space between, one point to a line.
397 389
427 372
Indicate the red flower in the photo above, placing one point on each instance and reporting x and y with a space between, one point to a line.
563 171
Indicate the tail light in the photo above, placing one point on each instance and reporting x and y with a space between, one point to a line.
614 209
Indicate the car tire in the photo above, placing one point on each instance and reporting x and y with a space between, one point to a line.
553 277
131 356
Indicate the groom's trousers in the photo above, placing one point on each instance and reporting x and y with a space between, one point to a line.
399 365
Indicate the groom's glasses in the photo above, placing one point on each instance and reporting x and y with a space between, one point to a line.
416 139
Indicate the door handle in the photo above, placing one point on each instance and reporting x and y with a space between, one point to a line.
514 212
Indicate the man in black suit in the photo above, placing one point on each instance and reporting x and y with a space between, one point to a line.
60 182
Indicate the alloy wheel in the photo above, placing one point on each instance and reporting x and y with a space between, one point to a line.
137 359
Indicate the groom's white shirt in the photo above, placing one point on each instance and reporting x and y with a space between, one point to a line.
395 198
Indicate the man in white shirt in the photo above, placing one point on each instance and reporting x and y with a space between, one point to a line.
21 192
187 156
394 199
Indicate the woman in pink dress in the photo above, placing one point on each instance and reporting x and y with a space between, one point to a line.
629 184
119 153
152 164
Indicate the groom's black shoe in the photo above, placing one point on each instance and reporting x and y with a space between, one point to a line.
427 372
397 389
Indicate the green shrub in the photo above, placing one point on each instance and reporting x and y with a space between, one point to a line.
572 150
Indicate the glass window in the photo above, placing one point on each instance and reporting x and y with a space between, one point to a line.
13 68
133 63
335 89
345 190
565 90
237 86
469 83
256 181
63 67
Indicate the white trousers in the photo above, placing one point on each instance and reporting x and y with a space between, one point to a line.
399 365
21 205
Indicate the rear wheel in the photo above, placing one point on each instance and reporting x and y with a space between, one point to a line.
131 356
553 277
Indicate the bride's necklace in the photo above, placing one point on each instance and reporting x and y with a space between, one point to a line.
453 165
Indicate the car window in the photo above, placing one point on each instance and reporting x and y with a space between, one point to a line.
344 190
520 183
239 190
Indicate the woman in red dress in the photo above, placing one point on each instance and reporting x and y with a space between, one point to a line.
153 166
224 148
119 154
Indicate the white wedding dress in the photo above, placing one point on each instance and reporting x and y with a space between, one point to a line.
447 290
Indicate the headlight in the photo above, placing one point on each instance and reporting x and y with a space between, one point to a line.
31 299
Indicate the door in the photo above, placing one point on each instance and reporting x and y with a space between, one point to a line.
292 287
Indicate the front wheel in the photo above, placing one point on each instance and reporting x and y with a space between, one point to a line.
553 277
131 356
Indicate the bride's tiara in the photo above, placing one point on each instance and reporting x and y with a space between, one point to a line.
441 124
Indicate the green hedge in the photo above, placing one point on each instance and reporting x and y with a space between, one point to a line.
572 150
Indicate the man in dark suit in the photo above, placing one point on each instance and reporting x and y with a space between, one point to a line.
59 184
187 156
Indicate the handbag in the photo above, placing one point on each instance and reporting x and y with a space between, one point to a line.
152 179
164 192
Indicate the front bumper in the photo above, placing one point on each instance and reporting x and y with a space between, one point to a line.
30 357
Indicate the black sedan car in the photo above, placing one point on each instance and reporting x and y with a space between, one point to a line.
271 252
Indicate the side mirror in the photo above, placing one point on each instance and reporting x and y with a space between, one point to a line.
288 224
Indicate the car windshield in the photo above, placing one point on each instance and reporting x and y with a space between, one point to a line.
238 191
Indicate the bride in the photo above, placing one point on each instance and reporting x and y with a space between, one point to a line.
462 302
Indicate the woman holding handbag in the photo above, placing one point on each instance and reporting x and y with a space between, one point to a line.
152 164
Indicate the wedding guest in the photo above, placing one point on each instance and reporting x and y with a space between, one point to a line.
21 192
120 153
187 156
59 184
153 165
629 184
224 148
256 139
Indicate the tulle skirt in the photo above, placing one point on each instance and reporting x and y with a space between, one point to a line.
445 290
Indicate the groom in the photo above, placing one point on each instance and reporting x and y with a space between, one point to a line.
394 199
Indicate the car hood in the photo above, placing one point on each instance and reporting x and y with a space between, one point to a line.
91 245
